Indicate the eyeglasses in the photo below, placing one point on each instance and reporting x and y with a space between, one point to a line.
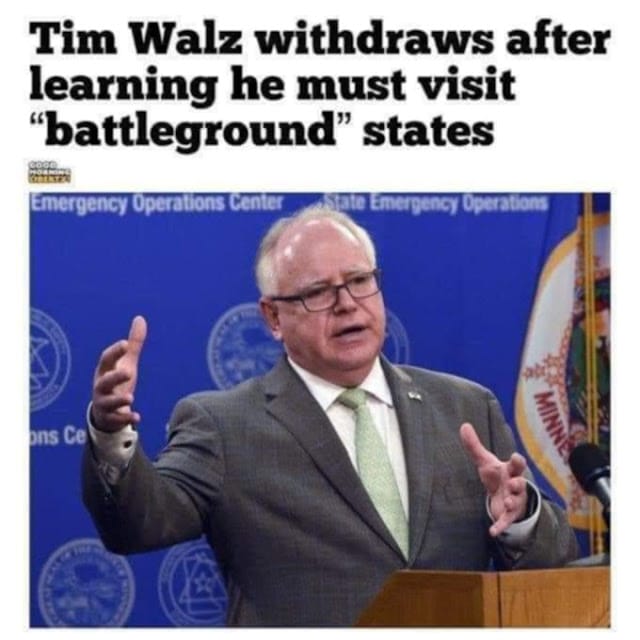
321 298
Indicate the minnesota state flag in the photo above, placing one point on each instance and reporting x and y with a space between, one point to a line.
563 390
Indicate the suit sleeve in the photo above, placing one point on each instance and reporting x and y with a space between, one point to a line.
159 504
553 542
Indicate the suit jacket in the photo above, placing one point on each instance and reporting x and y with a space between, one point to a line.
260 471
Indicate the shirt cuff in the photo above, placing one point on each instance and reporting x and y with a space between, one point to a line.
113 450
518 534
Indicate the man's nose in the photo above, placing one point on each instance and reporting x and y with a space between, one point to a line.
344 300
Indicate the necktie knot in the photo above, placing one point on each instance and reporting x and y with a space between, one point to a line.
353 398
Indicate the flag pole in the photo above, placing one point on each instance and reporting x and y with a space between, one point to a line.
590 326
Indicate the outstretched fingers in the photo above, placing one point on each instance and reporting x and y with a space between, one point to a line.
115 380
503 480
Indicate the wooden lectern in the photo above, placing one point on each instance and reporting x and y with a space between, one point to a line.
570 597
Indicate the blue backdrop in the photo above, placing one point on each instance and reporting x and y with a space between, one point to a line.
459 275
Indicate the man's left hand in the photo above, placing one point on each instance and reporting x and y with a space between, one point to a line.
503 480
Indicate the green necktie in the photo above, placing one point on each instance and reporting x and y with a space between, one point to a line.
374 468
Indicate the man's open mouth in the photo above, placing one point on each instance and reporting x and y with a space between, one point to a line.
356 328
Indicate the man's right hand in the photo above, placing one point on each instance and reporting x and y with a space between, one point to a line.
114 381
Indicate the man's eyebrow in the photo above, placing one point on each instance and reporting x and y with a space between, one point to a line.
316 283
321 282
358 271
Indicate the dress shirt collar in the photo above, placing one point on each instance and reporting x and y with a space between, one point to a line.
326 392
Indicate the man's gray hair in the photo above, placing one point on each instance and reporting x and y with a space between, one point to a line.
264 265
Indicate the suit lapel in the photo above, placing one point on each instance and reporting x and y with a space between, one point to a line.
415 418
288 400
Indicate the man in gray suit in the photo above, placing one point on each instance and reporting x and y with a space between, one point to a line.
317 481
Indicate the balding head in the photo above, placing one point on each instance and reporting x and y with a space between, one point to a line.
287 230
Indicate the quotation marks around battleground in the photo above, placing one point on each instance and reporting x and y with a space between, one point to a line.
137 129
191 588
50 360
83 585
48 172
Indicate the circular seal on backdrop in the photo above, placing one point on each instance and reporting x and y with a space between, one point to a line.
50 360
240 346
191 588
396 344
83 585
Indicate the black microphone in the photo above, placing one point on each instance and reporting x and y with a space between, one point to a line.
591 468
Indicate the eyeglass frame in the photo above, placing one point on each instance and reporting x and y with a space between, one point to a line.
300 297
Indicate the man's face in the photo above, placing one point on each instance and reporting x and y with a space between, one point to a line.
339 344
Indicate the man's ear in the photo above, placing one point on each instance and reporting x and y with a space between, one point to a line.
269 312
